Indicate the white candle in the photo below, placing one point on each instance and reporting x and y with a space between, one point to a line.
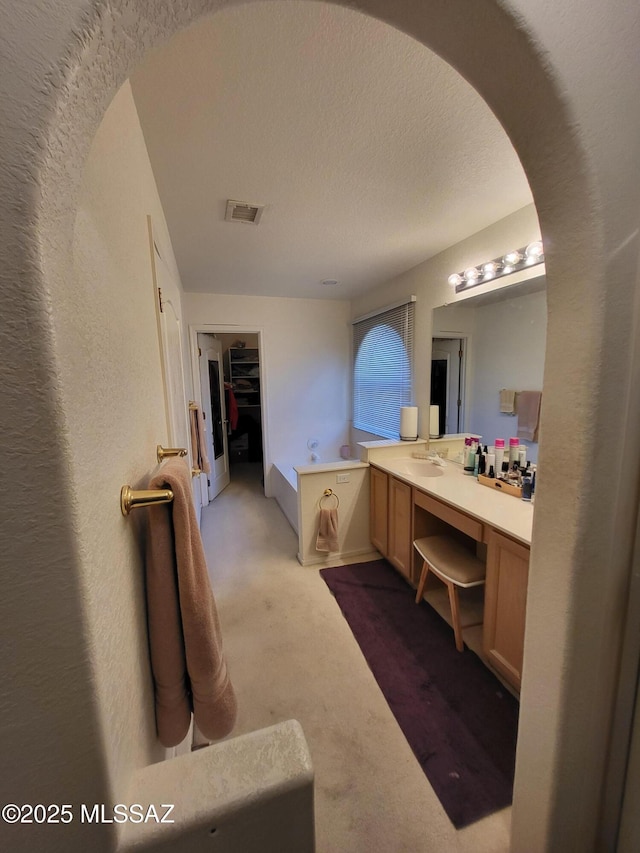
408 423
434 421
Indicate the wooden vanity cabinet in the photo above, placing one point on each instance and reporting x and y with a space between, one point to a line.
391 512
505 602
400 514
399 539
379 509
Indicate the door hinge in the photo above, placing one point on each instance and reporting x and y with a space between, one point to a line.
199 353
160 300
208 482
204 416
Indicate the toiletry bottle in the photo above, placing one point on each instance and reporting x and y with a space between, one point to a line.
499 445
491 460
492 473
522 456
527 482
469 456
476 461
514 449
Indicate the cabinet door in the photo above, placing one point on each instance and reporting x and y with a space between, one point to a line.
505 606
379 510
399 531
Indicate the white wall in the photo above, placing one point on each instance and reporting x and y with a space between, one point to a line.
305 368
115 415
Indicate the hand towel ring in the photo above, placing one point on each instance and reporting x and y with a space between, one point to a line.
329 493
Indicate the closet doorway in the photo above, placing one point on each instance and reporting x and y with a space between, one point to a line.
230 382
447 382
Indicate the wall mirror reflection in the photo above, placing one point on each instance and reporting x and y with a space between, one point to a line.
481 345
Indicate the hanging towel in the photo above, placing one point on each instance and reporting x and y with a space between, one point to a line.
198 441
328 530
507 402
528 407
232 406
189 669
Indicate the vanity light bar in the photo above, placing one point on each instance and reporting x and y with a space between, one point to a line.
514 261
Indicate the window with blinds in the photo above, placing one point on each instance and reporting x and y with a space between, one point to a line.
383 369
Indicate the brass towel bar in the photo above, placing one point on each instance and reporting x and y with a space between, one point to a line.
132 498
165 452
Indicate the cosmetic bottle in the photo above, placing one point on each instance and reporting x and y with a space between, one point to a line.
522 456
514 449
527 486
469 456
492 473
499 452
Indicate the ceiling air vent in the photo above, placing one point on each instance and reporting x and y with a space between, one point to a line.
242 211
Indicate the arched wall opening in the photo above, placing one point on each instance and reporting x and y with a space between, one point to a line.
567 590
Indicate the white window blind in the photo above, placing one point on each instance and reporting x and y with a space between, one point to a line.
383 369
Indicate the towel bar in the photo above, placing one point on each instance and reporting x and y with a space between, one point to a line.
165 452
130 498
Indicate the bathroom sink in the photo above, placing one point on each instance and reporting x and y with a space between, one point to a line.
417 468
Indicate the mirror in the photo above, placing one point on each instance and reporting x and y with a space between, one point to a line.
481 345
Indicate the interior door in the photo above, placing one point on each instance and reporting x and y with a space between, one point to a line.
214 411
168 310
447 382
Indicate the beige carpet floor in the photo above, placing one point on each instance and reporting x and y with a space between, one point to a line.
291 655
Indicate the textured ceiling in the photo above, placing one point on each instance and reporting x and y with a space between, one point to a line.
369 152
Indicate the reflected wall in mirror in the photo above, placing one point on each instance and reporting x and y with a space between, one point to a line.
482 345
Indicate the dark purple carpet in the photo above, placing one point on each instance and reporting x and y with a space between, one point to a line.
458 719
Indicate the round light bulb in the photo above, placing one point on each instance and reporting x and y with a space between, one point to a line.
455 279
472 274
512 258
490 269
534 252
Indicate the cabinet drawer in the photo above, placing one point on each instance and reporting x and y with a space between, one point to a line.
450 515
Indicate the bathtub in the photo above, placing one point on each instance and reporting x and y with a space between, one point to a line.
284 487
298 490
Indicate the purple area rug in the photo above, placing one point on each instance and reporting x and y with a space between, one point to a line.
459 720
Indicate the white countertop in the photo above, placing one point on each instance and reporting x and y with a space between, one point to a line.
503 512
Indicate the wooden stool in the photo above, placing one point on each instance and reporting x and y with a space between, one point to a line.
455 566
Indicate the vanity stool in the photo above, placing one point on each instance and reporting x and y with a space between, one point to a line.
455 566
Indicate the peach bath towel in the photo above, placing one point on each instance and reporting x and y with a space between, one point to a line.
528 409
198 440
189 669
328 530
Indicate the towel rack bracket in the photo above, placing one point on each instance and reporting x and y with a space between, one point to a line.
132 498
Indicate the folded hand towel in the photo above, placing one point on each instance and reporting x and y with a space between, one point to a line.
507 401
198 439
189 670
328 530
528 407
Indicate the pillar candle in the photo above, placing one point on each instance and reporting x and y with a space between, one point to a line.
409 423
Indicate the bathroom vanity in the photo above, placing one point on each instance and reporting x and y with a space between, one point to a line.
412 498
